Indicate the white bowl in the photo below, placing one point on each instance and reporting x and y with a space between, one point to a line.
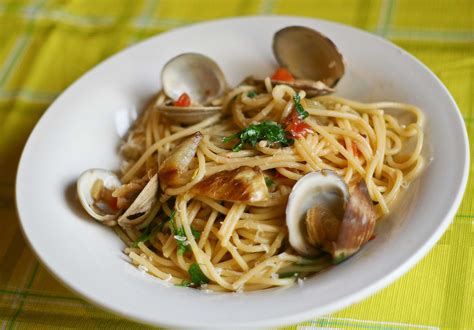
83 126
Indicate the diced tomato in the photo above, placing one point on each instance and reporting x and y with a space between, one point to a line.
111 202
183 101
296 127
283 75
299 129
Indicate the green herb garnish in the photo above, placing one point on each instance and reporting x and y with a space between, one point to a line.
302 113
197 276
269 182
146 234
196 233
168 219
181 240
251 94
266 130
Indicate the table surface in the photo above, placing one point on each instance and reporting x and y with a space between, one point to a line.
46 45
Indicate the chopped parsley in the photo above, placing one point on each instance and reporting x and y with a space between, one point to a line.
266 130
180 235
196 274
302 113
170 218
268 181
146 234
251 94
196 233
181 240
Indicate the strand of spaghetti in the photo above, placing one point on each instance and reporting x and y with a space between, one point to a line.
275 245
169 246
207 229
380 127
154 256
220 252
416 170
371 108
249 257
200 256
396 185
230 222
268 85
420 117
271 281
289 174
274 151
337 145
230 96
208 249
154 270
220 159
262 113
264 164
256 102
362 145
182 263
357 120
300 147
188 131
249 224
253 236
254 271
237 257
402 131
415 154
397 144
212 203
246 247
217 150
361 107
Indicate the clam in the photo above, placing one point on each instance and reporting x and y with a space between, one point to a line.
199 77
324 214
95 186
89 187
140 207
312 58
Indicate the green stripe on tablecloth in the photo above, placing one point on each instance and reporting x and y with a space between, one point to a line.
30 283
20 46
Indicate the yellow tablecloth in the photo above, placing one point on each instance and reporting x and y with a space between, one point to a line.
46 45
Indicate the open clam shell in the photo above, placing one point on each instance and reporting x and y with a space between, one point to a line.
85 185
141 205
194 74
308 55
199 77
324 214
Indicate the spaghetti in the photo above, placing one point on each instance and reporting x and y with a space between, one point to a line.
243 246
